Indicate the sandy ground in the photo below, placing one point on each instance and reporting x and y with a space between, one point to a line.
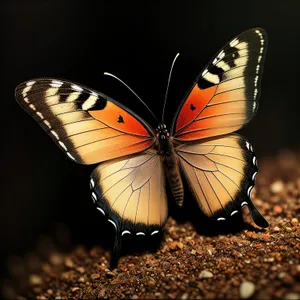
194 260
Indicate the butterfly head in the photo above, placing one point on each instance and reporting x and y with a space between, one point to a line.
162 131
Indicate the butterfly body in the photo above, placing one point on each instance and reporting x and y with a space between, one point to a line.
165 144
135 161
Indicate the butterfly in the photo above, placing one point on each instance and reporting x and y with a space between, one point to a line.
128 186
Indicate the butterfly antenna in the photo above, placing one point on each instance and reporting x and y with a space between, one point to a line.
111 75
166 95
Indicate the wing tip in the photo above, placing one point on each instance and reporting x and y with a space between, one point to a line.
256 216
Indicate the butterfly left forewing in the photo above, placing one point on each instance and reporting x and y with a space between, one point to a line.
87 125
221 173
225 95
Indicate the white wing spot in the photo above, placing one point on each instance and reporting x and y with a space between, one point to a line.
70 155
254 106
244 203
254 160
234 42
88 103
92 183
101 210
221 54
204 72
63 145
221 219
54 134
47 124
40 115
76 88
56 83
249 191
212 78
140 233
30 83
32 107
112 222
126 232
247 145
154 232
234 212
94 197
26 99
254 176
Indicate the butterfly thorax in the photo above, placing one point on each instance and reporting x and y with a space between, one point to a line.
171 163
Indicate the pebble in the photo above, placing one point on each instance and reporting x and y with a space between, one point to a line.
205 274
276 229
294 221
185 296
292 296
276 186
247 289
277 209
35 279
69 263
95 277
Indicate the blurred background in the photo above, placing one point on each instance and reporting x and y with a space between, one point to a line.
137 41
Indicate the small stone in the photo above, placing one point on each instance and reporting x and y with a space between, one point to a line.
205 274
95 277
69 263
247 289
288 229
277 186
176 245
276 229
185 296
35 279
81 279
56 259
269 259
110 274
294 221
281 275
292 296
277 209
80 270
135 297
193 252
50 292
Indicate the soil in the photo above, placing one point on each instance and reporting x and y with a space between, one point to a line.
237 261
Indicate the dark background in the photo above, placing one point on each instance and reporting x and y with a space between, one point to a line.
136 41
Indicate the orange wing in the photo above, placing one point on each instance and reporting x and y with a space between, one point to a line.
225 95
87 125
221 173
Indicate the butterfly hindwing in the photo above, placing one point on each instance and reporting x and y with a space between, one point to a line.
87 125
225 95
130 192
221 173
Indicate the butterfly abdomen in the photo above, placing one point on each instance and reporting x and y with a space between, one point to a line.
174 178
